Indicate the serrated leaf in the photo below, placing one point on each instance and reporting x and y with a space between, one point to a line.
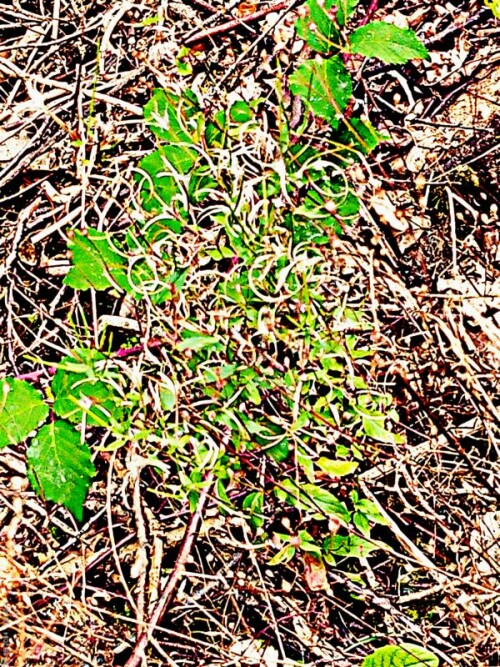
95 263
317 28
22 409
325 86
336 468
60 466
388 43
404 655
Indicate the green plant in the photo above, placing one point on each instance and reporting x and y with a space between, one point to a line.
404 655
262 363
59 463
324 82
494 5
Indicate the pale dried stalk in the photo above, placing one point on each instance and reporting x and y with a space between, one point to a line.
168 592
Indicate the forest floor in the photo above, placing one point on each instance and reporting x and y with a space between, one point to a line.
423 262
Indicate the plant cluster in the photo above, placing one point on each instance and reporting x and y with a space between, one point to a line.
254 370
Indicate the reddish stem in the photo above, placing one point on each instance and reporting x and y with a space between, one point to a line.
231 25
372 8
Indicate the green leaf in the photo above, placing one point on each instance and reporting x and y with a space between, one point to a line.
342 450
252 391
215 132
198 342
349 546
170 117
60 466
370 510
279 452
494 5
387 42
227 370
373 426
306 463
345 10
241 112
360 135
150 20
218 373
201 184
168 395
325 86
326 501
307 543
309 497
160 229
95 263
222 493
336 468
222 252
404 655
317 28
361 523
22 409
254 505
184 67
285 555
83 392
161 187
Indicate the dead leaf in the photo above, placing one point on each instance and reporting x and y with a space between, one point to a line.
315 572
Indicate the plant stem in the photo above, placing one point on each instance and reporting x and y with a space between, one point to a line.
151 344
372 8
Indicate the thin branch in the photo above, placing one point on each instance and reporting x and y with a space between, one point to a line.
369 12
231 25
168 592
206 6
